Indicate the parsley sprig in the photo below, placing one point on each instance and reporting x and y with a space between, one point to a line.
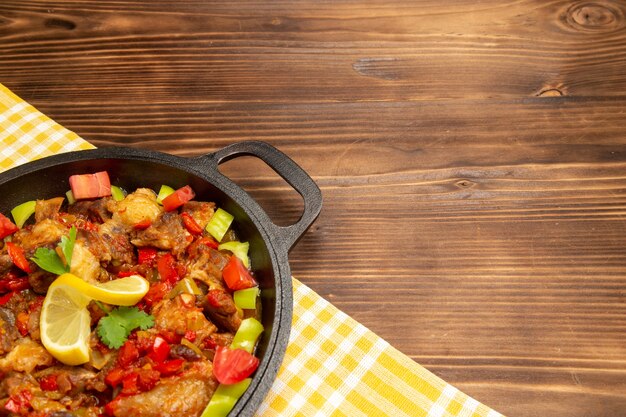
48 259
115 327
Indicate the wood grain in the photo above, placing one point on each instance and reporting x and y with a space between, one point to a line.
472 156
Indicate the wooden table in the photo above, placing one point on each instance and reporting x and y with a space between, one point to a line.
472 156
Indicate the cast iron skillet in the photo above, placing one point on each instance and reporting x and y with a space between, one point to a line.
269 244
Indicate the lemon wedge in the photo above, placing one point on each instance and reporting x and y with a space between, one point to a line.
65 320
120 292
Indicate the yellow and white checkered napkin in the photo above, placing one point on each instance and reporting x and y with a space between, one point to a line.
334 366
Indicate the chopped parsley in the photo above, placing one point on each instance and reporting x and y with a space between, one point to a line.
49 260
115 327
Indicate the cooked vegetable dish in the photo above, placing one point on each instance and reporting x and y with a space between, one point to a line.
115 304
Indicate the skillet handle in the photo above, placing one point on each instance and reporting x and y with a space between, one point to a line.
290 172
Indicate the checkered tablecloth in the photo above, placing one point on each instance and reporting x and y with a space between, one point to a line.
333 366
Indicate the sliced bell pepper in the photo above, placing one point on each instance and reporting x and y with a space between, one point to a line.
164 191
128 354
236 275
90 185
22 212
117 193
224 399
17 257
6 227
48 383
178 198
146 256
219 224
170 367
239 249
247 298
6 298
142 225
191 224
247 335
166 265
160 350
70 197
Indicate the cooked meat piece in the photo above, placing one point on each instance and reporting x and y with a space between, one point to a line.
47 209
200 211
220 307
25 356
8 331
5 263
110 244
166 233
47 232
71 380
175 316
84 263
186 395
15 382
136 207
95 211
222 339
40 280
205 264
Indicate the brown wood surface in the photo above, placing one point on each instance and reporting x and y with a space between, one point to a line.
472 157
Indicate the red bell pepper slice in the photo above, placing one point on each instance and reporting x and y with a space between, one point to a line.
166 265
17 257
129 384
6 227
14 284
156 293
146 256
191 224
143 225
19 403
233 365
6 298
114 377
160 350
168 368
128 354
178 198
48 383
236 275
90 185
147 379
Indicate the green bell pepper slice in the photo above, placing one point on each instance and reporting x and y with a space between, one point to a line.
219 224
164 192
22 212
239 249
247 335
224 398
246 299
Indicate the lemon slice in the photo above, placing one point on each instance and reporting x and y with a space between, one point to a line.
65 320
64 325
121 292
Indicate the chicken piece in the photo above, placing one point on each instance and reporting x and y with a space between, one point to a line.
136 207
47 209
47 232
85 264
110 244
175 315
8 331
220 307
200 211
166 233
205 264
40 280
95 211
26 356
5 262
185 395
